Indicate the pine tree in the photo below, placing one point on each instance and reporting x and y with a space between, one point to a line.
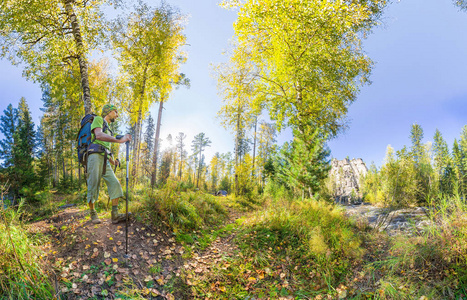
181 152
422 164
458 157
443 163
199 143
149 142
8 128
416 136
23 150
303 165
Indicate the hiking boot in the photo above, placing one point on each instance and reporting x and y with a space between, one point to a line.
95 218
117 218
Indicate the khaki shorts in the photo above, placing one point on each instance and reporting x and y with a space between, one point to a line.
95 166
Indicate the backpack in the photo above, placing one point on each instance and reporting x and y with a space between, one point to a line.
84 139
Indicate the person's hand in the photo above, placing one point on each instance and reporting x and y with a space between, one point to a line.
125 138
112 161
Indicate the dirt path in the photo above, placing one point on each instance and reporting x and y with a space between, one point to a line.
90 260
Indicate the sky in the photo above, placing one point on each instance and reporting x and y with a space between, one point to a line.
419 76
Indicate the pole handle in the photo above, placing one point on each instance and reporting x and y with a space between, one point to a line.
127 151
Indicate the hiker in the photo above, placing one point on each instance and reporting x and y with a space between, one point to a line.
99 160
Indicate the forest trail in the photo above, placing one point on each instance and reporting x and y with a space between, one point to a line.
89 260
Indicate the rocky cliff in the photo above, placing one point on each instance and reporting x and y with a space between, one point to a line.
345 175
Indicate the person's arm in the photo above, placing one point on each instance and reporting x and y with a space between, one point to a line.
101 136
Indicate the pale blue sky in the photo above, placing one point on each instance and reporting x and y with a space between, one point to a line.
420 75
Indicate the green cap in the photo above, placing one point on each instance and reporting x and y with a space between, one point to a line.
106 109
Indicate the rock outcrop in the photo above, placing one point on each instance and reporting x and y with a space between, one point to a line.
345 176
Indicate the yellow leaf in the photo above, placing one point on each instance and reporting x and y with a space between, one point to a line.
251 279
115 259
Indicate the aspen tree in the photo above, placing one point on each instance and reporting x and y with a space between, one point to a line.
148 44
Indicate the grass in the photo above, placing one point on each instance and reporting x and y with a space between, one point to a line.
430 265
183 211
21 260
283 247
287 249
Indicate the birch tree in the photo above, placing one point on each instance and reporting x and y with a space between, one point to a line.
52 36
305 57
148 44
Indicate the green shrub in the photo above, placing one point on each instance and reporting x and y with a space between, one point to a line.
184 211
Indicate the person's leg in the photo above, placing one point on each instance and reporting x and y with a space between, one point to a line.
95 165
115 192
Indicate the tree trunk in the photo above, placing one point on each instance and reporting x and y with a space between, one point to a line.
136 147
79 176
71 164
254 148
236 154
181 161
156 143
174 157
83 65
199 169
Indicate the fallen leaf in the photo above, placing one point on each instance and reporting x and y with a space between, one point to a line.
148 278
155 292
108 261
170 297
106 254
115 259
114 249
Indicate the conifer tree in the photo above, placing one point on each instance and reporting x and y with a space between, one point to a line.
23 150
8 128
459 173
181 151
422 164
442 163
149 142
303 165
198 145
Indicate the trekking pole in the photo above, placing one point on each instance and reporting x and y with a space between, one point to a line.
126 222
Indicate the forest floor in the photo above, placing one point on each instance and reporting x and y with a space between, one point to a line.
90 260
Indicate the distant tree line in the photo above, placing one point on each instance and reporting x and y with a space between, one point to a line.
420 174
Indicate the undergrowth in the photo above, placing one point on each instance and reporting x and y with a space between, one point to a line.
183 211
295 248
431 264
23 275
